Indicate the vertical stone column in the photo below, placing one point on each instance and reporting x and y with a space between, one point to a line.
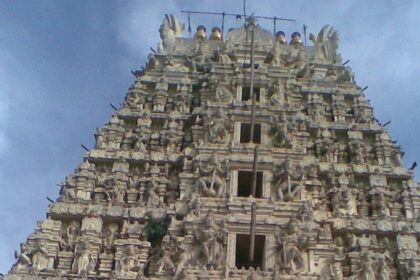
239 93
237 132
267 178
231 250
233 183
263 98
264 134
269 252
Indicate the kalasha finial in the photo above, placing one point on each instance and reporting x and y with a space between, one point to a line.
200 33
216 33
281 37
295 39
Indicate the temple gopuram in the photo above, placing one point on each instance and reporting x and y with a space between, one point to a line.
244 155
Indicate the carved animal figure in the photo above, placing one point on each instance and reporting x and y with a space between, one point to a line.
326 45
169 30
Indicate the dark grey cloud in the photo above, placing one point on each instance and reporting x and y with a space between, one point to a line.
63 62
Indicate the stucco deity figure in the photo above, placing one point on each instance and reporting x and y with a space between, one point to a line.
279 52
326 45
356 145
291 247
287 182
109 237
165 263
81 264
23 259
169 30
67 192
342 199
366 272
383 270
184 85
130 265
332 270
223 94
278 97
185 257
200 57
407 244
153 197
280 132
211 181
73 231
210 242
219 128
92 224
227 55
39 256
144 120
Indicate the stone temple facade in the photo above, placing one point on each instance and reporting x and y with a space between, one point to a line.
166 191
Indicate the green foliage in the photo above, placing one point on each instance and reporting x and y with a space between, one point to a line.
155 230
272 131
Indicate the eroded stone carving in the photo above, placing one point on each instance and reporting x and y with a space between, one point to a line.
212 178
326 45
169 31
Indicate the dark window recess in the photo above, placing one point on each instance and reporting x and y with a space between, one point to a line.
157 124
243 242
172 88
248 65
245 183
246 94
246 133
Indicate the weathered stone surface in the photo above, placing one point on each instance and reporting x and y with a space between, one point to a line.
167 191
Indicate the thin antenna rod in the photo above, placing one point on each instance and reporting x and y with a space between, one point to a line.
253 95
189 24
304 33
252 241
274 26
245 9
229 14
254 172
223 24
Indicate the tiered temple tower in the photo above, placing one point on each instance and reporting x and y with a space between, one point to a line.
166 193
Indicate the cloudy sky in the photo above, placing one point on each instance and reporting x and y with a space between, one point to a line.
63 61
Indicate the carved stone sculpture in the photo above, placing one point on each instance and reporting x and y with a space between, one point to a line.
326 45
130 265
169 31
278 97
219 128
291 247
211 181
23 259
39 256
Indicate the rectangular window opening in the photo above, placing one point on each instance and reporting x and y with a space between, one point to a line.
157 124
245 184
172 88
246 94
243 242
246 133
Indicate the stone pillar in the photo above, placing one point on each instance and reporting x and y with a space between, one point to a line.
239 93
263 96
237 132
233 183
269 252
231 250
267 179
